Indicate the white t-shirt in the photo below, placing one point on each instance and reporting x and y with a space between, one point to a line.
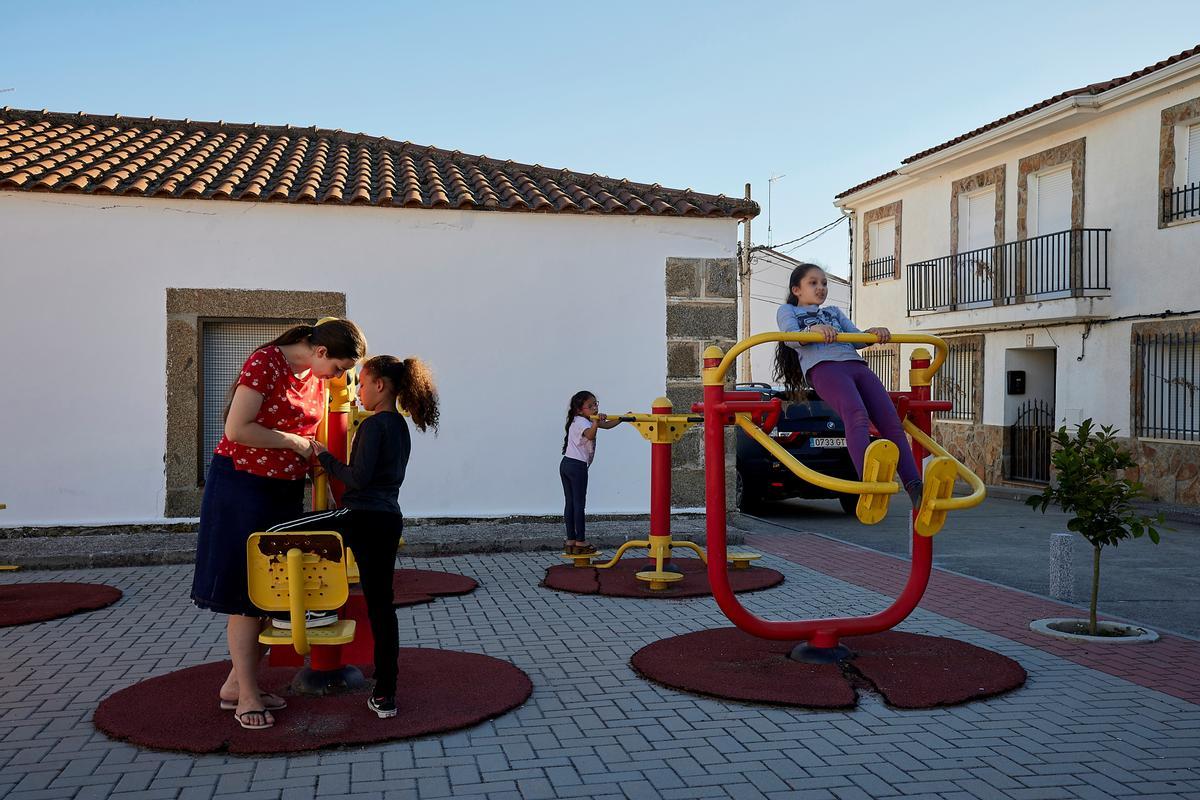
579 447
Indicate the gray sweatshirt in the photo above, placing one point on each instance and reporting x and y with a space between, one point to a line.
799 319
381 448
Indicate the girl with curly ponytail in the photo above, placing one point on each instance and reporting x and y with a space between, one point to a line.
371 523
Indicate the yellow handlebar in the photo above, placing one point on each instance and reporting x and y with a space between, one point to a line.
809 474
718 373
295 579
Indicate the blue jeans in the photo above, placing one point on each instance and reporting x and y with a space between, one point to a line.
574 474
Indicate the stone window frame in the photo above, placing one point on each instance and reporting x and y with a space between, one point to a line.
1073 153
1171 118
875 215
186 308
994 176
1172 326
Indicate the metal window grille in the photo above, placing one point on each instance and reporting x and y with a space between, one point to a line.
1167 405
879 269
1181 202
955 381
224 347
883 364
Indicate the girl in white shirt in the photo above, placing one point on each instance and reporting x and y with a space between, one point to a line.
579 447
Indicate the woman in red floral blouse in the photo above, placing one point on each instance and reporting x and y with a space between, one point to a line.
257 480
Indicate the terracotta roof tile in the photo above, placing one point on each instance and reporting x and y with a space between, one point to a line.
54 152
1091 89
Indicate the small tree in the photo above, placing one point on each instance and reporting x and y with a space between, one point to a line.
1088 487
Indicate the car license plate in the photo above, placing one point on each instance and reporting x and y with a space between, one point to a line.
828 441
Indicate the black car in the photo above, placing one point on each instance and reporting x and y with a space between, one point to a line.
810 431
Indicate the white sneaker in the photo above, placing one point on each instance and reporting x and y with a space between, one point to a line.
312 619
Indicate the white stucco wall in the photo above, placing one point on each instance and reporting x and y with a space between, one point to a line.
1150 269
515 312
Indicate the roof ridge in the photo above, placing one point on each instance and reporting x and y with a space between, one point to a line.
1091 89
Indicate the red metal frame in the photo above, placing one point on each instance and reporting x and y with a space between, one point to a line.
819 633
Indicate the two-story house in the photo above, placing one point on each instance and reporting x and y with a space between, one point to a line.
1058 251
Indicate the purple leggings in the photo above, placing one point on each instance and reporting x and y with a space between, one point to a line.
856 394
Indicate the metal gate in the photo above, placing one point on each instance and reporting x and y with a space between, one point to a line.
1029 442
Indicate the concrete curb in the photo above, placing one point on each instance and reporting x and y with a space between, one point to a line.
147 548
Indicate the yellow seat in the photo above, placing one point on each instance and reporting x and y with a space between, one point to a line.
659 580
742 560
299 572
879 466
939 485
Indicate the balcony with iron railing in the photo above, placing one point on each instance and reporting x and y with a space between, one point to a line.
1069 264
879 269
1180 203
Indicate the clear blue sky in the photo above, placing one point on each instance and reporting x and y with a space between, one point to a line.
704 94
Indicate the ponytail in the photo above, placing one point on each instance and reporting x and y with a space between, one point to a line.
787 369
341 337
412 382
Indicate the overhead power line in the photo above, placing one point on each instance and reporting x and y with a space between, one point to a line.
821 229
810 241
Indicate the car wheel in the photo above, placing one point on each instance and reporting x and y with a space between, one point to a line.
746 502
849 503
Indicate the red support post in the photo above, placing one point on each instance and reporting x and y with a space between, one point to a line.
660 482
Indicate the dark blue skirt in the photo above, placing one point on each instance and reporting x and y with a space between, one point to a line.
235 505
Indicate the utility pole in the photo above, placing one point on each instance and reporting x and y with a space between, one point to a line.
743 372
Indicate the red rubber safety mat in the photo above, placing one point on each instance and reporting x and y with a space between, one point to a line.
619 580
908 670
23 603
439 691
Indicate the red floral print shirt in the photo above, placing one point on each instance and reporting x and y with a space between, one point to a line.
290 404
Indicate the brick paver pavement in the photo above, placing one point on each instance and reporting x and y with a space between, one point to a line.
1172 665
594 729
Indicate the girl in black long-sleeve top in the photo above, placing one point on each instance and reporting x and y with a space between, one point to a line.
371 523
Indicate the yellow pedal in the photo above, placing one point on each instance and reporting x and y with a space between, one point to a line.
584 559
742 560
659 580
340 632
939 485
352 574
879 466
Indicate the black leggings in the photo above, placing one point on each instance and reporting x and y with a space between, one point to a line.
574 474
374 536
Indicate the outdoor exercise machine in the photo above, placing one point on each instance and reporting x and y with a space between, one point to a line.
296 573
663 428
822 637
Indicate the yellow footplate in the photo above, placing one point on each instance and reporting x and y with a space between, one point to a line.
939 485
742 560
879 466
583 559
659 580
